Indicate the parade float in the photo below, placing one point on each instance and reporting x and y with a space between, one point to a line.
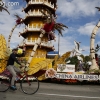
4 52
35 40
68 73
40 25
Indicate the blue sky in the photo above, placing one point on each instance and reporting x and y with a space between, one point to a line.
80 16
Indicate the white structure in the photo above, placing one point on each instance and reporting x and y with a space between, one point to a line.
77 50
32 42
92 48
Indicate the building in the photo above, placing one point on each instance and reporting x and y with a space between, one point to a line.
34 21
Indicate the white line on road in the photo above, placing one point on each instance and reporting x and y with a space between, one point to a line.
69 96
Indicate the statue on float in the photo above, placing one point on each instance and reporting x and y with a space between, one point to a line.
77 51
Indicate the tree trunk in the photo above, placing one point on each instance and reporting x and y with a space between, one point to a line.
35 48
11 35
92 47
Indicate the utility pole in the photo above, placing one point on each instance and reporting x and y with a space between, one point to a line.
58 43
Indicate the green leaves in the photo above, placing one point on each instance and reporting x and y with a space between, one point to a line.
2 7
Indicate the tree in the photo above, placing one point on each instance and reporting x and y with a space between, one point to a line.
49 27
92 48
87 58
19 21
2 7
73 60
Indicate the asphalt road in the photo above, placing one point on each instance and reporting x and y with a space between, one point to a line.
54 91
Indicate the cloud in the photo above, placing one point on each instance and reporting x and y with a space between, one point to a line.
69 9
86 50
8 22
65 44
86 29
77 8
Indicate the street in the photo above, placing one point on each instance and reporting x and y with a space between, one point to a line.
54 91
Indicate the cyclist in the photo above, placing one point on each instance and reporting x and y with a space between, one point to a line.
12 69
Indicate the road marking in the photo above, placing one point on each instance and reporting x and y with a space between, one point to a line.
69 96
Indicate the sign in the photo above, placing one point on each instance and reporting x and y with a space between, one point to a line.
77 76
51 73
65 68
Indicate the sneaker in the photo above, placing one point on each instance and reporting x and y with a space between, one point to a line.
13 87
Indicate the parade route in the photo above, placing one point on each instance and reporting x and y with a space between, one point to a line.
71 96
54 91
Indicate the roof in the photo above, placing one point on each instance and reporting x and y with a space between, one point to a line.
55 1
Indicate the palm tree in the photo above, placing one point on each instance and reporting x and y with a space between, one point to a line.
3 8
56 26
19 21
92 48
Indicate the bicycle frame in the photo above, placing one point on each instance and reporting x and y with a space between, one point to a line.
7 74
22 76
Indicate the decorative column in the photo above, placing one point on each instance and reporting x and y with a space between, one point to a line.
92 48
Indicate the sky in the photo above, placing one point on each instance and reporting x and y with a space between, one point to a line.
80 16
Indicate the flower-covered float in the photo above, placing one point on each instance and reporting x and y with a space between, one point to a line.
37 36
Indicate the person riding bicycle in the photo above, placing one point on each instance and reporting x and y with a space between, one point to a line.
12 69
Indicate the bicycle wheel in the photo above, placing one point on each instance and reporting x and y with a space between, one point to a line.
4 84
29 85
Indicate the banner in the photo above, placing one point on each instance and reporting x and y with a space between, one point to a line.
77 76
51 73
65 68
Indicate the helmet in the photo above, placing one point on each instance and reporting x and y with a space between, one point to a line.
20 51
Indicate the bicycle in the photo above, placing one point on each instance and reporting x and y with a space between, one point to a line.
29 83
